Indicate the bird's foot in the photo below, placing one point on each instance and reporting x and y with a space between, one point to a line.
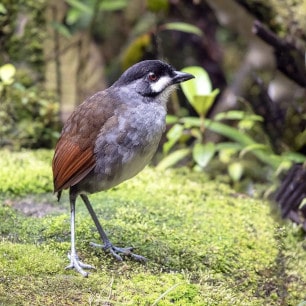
76 264
115 250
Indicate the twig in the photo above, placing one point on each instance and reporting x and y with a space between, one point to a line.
165 293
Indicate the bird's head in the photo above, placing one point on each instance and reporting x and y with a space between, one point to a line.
152 78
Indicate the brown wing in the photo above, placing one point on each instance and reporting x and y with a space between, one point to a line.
74 157
70 164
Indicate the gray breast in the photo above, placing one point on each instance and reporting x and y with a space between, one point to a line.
125 145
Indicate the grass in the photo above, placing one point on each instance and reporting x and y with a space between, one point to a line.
205 244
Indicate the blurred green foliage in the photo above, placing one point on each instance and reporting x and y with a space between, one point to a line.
23 27
28 114
243 136
135 30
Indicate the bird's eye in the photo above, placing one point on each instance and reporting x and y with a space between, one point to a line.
152 77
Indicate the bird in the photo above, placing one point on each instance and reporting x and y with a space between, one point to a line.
109 138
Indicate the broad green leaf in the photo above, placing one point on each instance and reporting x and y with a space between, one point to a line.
235 135
203 153
173 158
173 136
199 105
235 171
211 98
199 86
3 9
7 73
183 27
202 104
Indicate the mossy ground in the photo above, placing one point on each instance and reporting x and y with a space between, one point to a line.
205 244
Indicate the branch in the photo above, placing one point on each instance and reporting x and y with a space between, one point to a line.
289 59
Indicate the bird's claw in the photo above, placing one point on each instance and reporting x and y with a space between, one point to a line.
115 250
78 265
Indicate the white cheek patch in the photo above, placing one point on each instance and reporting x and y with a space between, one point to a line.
161 84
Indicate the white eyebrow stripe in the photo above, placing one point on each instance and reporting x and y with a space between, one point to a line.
161 84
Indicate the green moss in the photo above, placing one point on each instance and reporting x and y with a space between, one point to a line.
25 172
23 259
205 244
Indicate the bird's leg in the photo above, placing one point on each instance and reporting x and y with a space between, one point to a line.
75 263
107 244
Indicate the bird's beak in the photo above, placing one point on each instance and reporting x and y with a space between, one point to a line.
181 77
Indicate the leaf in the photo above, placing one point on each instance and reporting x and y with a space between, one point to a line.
235 135
173 136
113 5
253 147
202 104
203 153
246 124
237 115
171 119
198 91
226 151
62 29
235 171
7 73
294 156
234 146
284 166
79 5
173 158
230 115
196 133
198 86
73 15
136 49
183 27
3 9
191 122
229 132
